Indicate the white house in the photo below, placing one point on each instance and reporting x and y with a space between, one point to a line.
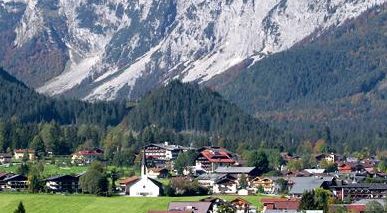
145 186
225 185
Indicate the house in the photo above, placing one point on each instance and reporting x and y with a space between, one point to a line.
286 156
210 158
162 154
16 182
359 191
62 183
345 168
331 158
266 183
86 156
243 206
227 184
192 207
298 185
272 205
144 186
208 180
19 154
158 172
2 177
248 172
5 158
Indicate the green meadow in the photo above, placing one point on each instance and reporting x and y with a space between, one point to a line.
47 203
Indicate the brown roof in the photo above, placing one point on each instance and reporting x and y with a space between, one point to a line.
158 169
129 180
24 150
282 203
240 201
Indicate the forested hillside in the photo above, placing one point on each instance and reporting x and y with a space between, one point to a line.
24 104
28 119
338 80
179 113
185 107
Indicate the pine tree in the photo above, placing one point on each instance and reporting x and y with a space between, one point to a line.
20 208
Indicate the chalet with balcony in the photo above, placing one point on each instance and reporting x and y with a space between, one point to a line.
162 154
210 158
62 183
359 191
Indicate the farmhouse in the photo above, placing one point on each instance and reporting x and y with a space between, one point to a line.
16 182
210 158
208 180
225 185
158 172
267 184
5 158
62 183
243 206
86 156
19 154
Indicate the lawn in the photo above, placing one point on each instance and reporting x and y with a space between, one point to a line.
49 169
42 203
52 170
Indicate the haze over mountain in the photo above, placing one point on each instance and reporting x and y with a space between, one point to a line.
104 50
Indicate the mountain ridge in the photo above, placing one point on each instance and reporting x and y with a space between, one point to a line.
122 49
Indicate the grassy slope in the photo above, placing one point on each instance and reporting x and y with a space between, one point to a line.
41 203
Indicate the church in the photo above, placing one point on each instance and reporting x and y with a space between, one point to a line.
144 186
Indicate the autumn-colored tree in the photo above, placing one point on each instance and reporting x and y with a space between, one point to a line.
320 147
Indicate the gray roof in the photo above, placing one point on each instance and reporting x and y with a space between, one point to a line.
372 186
195 206
211 176
302 184
234 170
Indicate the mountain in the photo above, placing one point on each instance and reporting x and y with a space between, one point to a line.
105 50
184 107
338 80
18 102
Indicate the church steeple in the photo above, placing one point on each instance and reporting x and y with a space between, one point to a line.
143 165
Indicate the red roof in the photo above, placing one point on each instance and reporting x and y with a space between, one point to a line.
219 156
356 207
282 203
129 180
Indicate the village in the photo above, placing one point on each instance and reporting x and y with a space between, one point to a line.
352 184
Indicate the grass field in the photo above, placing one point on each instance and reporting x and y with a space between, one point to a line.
52 170
49 169
44 203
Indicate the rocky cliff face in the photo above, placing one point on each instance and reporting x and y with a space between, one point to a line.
108 49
